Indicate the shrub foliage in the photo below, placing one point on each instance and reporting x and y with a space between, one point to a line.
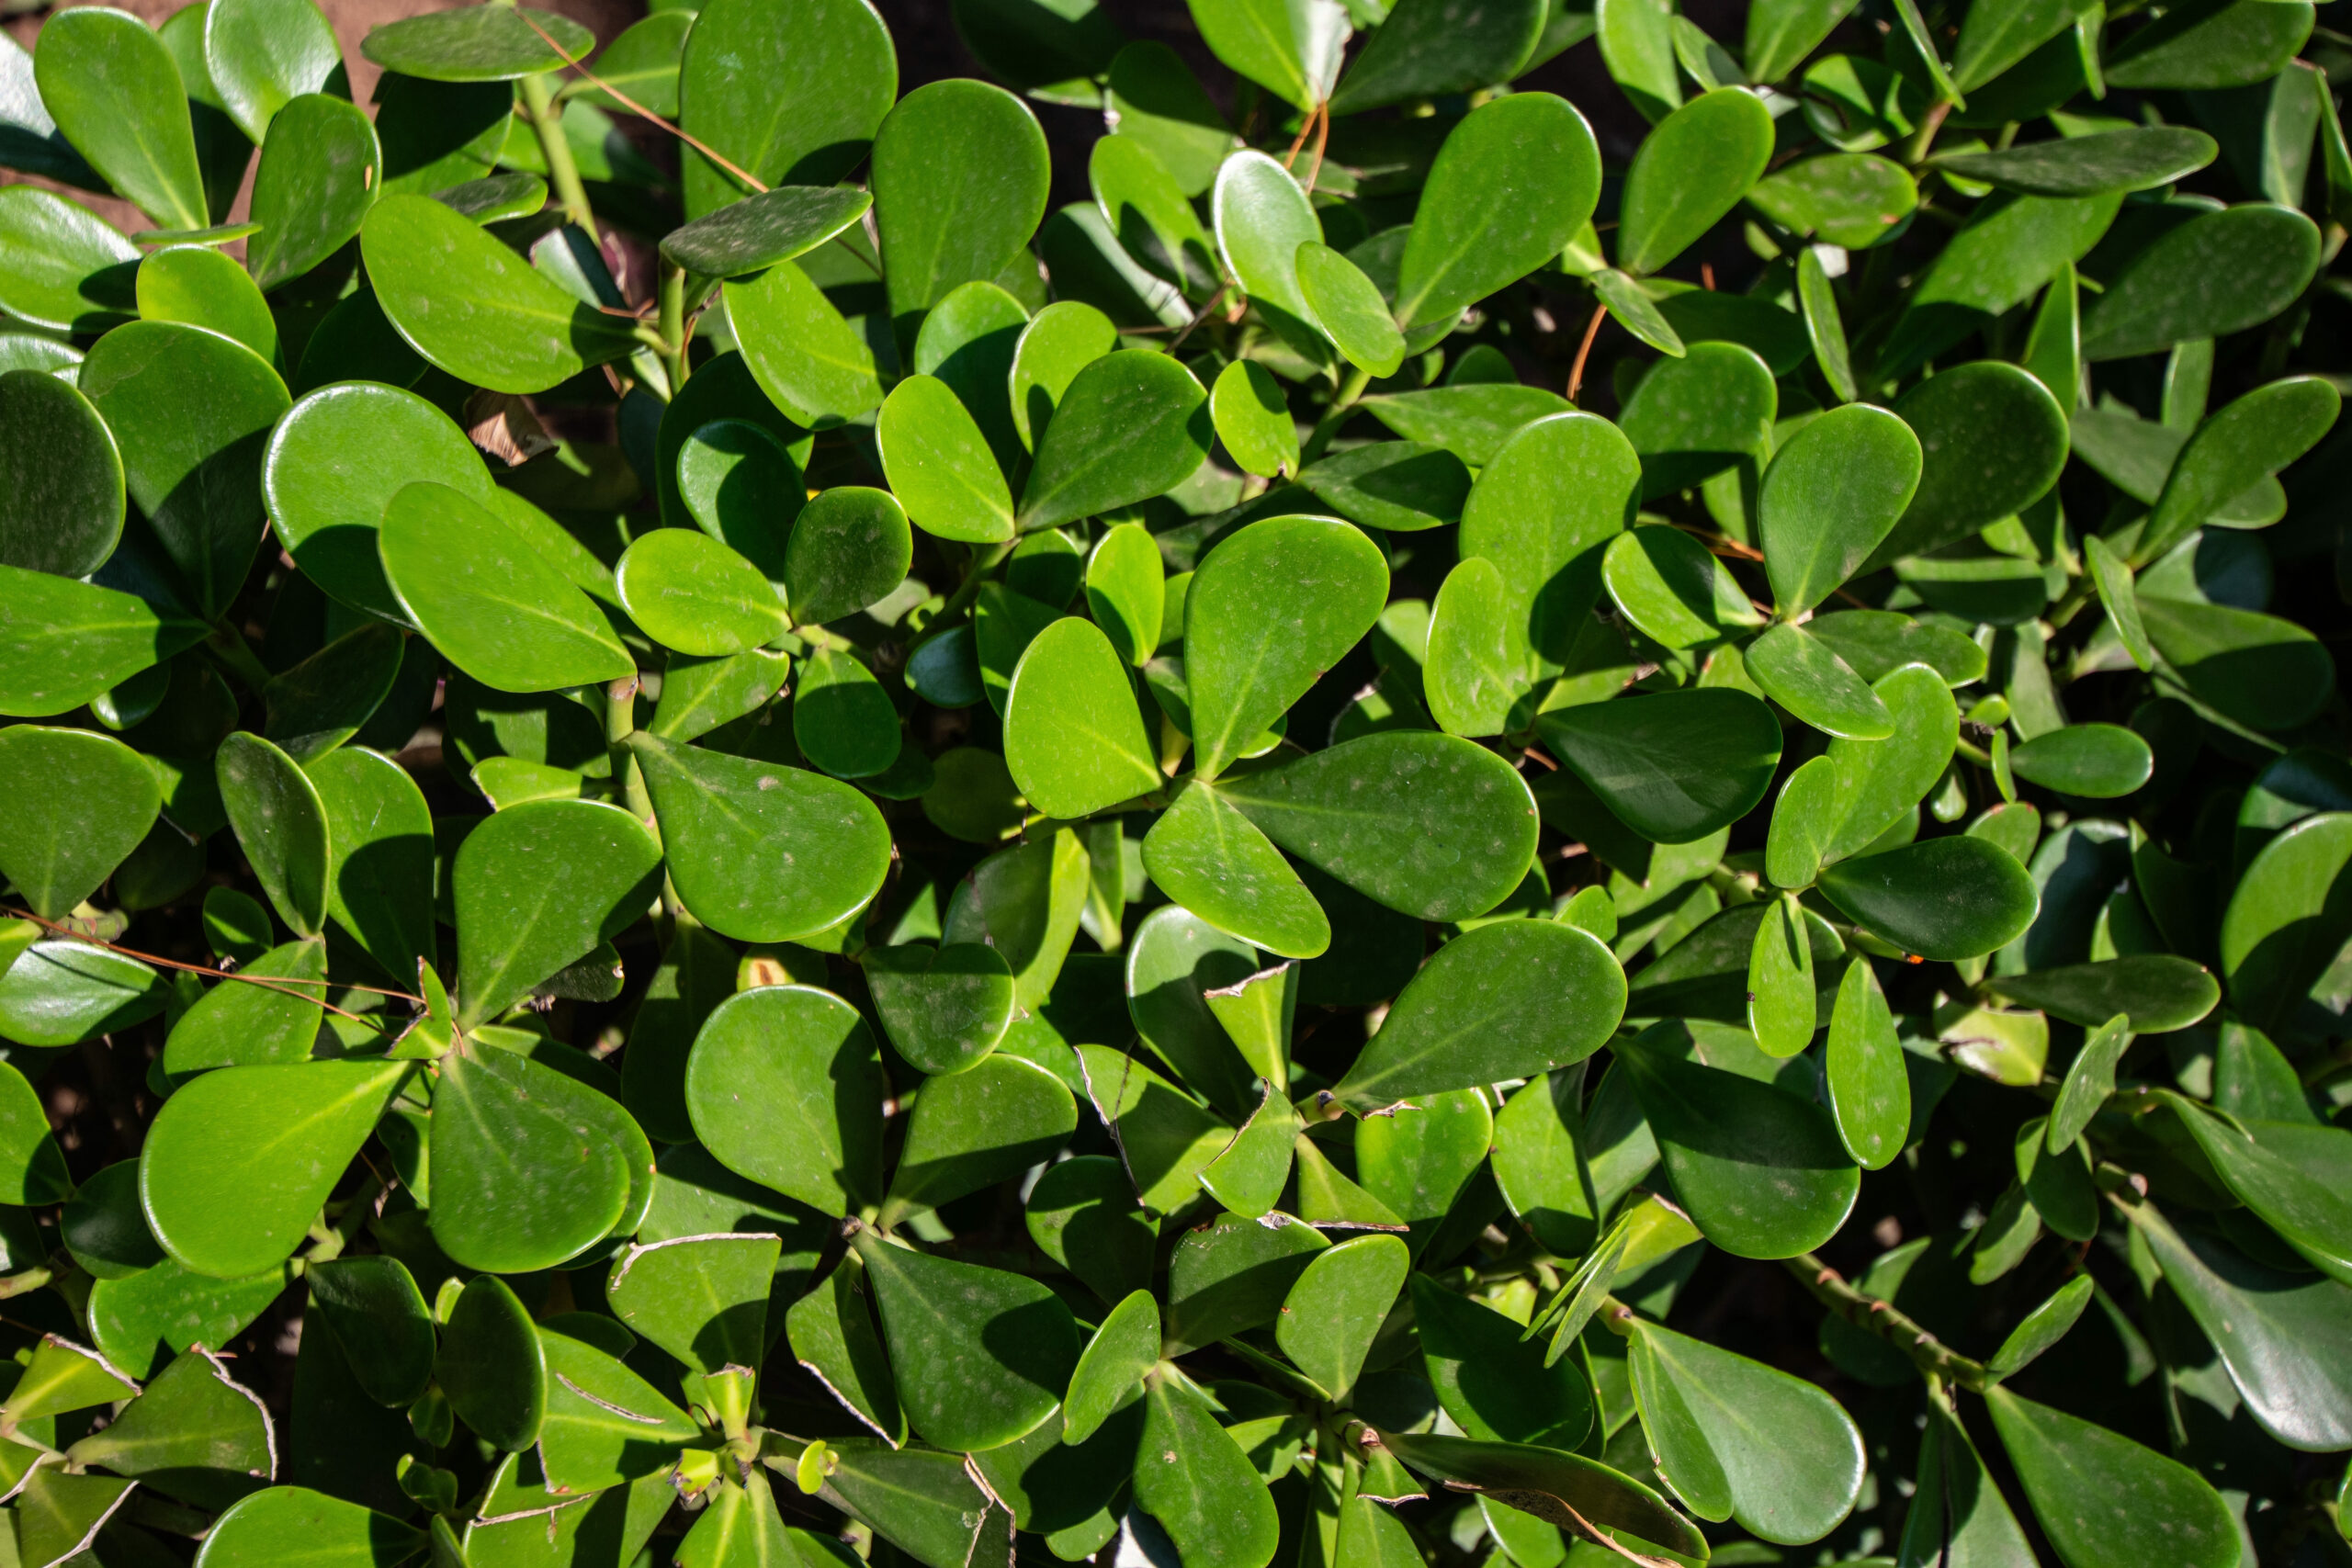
1268 869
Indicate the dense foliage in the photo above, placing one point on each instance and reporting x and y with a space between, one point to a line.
943 882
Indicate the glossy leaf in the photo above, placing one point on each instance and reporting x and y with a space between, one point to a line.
791 1048
810 362
1805 676
1212 858
1123 1349
1832 494
2268 254
116 94
1762 1173
511 1120
1247 407
491 1366
1675 766
517 925
1693 168
939 225
1870 1091
1491 1380
691 593
760 230
1510 186
977 1127
61 479
1011 1340
2079 1476
940 464
84 800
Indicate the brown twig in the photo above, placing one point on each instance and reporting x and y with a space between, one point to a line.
263 981
1305 127
1591 331
1202 315
1322 140
640 110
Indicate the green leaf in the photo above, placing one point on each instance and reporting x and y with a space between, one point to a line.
1670 587
1126 590
1870 1091
1948 899
492 1366
2245 443
294 1524
1507 1001
941 466
66 268
1637 47
61 479
2257 669
1083 1216
1011 1340
1847 198
188 409
1174 960
247 1023
1270 609
741 1526
474 307
1566 1489
2162 297
2042 1327
943 1009
1737 1438
379 844
1063 339
1073 736
1471 681
1634 311
2127 160
63 992
1493 1381
336 460
1548 497
604 1425
329 697
32 1170
379 1320
1832 494
2277 1169
796 1049
1209 857
71 641
1417 1161
62 1376
496 606
2281 1337
1781 1011
691 593
703 1299
475 46
237 1162
1824 329
57 1514
1514 181
1252 419
263 54
1148 211
1762 1173
643 62
2281 930
1977 422
1397 486
2103 1499
1194 1479
842 719
2112 578
938 228
1876 643
1675 766
281 823
1129 426
85 801
1473 420
195 1434
1877 780
1691 169
790 90
1249 1176
1232 1275
1450 844
1424 49
833 1335
1803 817
1691 418
1805 676
516 925
741 484
1026 901
513 1120
760 230
1114 1364
2100 761
975 1128
1337 1307
849 549
103 1226
1780 33
112 87
1348 306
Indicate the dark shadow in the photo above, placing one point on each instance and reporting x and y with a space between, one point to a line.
1036 1342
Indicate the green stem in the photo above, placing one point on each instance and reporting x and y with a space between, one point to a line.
539 102
966 590
674 325
225 645
1329 425
1930 1355
32 1279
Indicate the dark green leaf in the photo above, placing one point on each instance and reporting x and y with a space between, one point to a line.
1492 1380
477 45
61 479
1128 426
2165 295
1691 169
116 94
1676 766
791 1047
491 1365
1011 1342
760 230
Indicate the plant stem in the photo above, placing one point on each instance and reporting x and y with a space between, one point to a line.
966 590
1872 1315
225 644
538 101
674 325
1336 416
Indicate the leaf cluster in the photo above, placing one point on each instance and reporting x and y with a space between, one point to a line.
1207 876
